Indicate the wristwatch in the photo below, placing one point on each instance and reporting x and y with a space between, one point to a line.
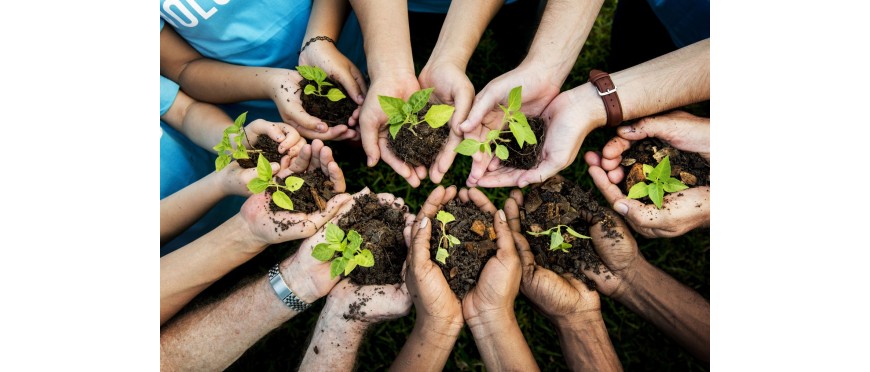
284 293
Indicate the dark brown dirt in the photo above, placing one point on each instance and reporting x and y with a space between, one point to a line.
381 229
689 167
268 147
528 156
422 147
312 196
557 201
332 113
474 229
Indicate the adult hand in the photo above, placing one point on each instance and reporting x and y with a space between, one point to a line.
339 68
284 90
373 122
619 253
560 297
377 303
452 87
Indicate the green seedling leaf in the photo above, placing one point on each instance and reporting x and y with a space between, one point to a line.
337 266
515 98
394 129
445 217
221 162
517 131
493 134
501 151
441 256
532 233
392 106
647 169
319 74
656 194
257 185
307 72
575 233
468 147
525 129
293 183
354 239
638 191
453 240
322 252
240 120
310 89
264 169
673 185
365 258
232 129
240 152
419 99
406 108
282 200
335 95
325 84
556 240
334 234
337 247
351 264
438 115
396 120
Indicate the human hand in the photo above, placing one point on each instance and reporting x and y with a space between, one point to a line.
371 303
374 129
286 93
452 87
619 253
339 68
317 156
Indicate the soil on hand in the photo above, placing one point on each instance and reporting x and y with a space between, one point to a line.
381 229
529 156
474 229
422 145
268 147
332 113
558 201
689 167
311 197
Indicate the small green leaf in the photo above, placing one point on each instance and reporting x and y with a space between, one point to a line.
351 264
564 247
638 191
647 169
309 89
347 252
441 256
334 234
515 99
392 106
306 72
354 239
337 267
575 233
264 169
325 84
365 258
222 161
467 147
661 171
240 120
319 74
257 185
556 240
394 129
406 108
453 240
445 217
232 129
335 95
673 185
438 115
282 200
493 134
293 183
517 131
398 119
419 99
336 247
501 151
525 129
656 194
240 153
532 233
322 252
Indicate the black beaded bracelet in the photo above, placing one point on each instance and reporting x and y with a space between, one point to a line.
316 38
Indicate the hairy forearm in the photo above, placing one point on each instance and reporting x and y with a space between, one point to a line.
563 30
386 35
501 343
673 308
464 25
335 343
183 208
586 345
428 346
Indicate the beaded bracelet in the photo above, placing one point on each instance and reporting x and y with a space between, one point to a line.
316 38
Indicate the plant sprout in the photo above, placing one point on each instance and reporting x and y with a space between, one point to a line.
318 76
239 152
517 123
401 113
264 180
446 239
660 182
347 246
556 240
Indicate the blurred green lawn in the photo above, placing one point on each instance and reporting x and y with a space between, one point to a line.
640 346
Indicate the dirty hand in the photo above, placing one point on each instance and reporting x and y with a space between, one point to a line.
452 87
339 68
316 156
367 304
285 91
619 253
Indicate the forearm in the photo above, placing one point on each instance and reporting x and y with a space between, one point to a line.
428 346
327 17
188 270
183 208
673 308
204 124
586 345
501 343
218 82
387 36
464 25
563 30
335 343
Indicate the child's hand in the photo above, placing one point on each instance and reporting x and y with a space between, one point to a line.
289 140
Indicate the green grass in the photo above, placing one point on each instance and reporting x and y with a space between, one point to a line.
639 345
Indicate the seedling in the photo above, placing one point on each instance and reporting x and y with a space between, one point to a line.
239 152
318 76
660 182
446 240
517 123
348 246
556 240
401 113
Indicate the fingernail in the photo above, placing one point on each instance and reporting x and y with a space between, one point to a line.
321 127
621 207
424 222
501 215
360 98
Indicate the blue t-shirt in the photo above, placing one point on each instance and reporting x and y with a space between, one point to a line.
687 21
434 6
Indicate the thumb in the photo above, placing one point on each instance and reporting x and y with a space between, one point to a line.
483 103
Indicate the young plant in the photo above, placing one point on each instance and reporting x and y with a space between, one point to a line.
264 180
347 246
446 240
240 152
660 182
517 124
556 240
401 113
318 76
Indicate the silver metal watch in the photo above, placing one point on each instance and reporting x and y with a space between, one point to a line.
284 293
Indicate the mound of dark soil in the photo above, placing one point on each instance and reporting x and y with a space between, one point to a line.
474 229
529 156
422 145
689 167
381 229
332 113
268 147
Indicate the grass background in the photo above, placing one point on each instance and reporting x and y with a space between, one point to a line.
639 345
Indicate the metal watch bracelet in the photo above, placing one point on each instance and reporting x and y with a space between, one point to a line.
284 293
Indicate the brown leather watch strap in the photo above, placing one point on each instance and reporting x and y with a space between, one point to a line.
607 91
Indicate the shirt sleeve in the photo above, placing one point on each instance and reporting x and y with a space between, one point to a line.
168 92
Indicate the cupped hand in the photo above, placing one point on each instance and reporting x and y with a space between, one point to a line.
339 68
373 126
317 156
452 87
286 93
619 253
376 303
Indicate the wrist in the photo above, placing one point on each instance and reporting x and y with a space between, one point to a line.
299 281
272 78
243 239
586 98
490 323
578 321
634 277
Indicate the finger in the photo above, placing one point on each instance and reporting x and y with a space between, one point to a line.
420 243
444 159
330 134
616 176
612 153
546 169
436 200
420 171
301 161
505 177
512 211
316 150
463 195
407 230
319 219
481 201
361 82
370 128
479 162
386 198
524 251
592 158
483 103
295 114
610 191
325 159
506 253
350 134
462 100
291 147
337 177
345 78
637 212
